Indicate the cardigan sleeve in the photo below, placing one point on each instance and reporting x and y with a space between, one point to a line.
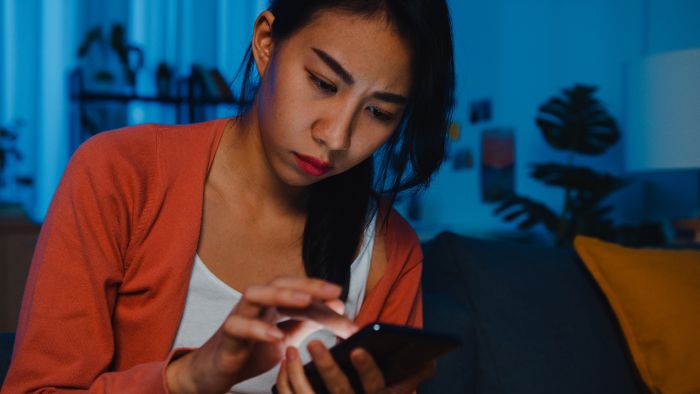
65 339
396 298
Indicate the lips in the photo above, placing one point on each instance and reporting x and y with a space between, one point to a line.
312 165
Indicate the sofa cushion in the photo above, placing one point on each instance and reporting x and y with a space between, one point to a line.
534 320
655 295
445 309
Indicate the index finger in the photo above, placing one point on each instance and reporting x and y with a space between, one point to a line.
317 288
322 314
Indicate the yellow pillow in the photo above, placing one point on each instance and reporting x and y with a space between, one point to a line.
655 295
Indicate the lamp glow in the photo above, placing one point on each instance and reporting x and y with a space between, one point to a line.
663 114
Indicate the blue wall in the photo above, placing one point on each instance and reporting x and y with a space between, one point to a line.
517 53
520 53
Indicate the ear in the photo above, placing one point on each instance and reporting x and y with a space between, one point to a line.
262 44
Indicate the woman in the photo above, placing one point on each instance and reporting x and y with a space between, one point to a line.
155 229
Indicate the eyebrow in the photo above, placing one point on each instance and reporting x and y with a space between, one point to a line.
335 66
348 79
391 97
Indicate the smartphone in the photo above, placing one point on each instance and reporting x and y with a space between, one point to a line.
398 351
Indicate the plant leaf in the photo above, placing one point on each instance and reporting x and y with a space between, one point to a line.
577 122
528 211
577 178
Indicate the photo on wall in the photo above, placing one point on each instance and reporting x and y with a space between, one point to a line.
497 163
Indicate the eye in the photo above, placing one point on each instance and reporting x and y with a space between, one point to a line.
323 85
380 115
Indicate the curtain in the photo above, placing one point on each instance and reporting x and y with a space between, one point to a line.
38 50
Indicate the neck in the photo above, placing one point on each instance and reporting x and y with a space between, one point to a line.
244 171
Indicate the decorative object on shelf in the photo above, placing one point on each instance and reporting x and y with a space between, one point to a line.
497 164
109 65
664 113
576 123
96 111
164 80
213 83
112 52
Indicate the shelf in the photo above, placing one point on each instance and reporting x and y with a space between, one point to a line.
188 98
90 96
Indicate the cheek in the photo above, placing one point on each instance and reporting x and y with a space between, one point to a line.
275 114
281 106
368 142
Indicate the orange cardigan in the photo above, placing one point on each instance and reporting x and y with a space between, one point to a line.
110 272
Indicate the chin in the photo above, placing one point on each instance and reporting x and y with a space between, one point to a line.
294 179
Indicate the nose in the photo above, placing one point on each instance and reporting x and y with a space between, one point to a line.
334 130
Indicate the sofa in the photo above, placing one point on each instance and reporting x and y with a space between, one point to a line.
531 318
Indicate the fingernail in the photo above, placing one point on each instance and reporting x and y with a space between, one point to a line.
360 356
291 353
275 333
315 348
349 331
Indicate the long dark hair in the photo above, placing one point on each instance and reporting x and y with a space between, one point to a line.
340 207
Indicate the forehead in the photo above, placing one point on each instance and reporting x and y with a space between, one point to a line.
369 47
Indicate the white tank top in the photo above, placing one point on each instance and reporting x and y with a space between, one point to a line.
210 300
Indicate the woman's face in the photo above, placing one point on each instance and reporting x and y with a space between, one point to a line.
330 95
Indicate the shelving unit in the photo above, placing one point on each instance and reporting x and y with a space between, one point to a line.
189 101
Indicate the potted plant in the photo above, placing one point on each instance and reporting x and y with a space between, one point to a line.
578 124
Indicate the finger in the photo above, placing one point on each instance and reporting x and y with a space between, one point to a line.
258 296
282 382
295 331
336 305
320 313
237 327
317 288
370 375
295 371
330 372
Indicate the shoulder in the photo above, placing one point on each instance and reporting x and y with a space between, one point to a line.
112 172
144 150
131 147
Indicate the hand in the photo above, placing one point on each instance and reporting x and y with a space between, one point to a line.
249 343
291 378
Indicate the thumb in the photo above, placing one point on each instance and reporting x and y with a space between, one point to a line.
336 305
